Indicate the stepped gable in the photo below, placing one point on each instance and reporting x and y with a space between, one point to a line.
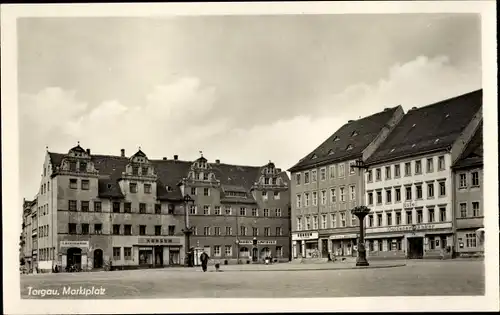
473 153
357 135
430 128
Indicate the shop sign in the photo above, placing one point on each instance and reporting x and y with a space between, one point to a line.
146 248
409 204
263 242
410 228
342 236
245 242
78 244
158 241
305 236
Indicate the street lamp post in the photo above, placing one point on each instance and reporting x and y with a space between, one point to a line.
187 230
361 213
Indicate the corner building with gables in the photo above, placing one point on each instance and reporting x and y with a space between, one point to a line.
326 185
410 185
94 211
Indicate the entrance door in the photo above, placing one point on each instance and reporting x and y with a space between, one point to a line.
74 257
98 260
255 254
324 248
174 256
158 256
415 247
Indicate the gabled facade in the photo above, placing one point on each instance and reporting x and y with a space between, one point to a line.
94 210
325 187
409 181
29 237
468 199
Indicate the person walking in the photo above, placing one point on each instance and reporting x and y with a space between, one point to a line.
204 260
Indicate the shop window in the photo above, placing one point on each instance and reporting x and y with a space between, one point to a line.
127 253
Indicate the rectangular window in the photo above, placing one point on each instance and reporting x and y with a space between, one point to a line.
192 209
278 212
97 206
475 178
144 170
266 212
408 193
127 253
408 169
379 219
279 251
217 251
306 177
83 167
127 229
388 172
471 239
475 209
85 184
323 221
370 198
85 229
206 210
157 230
142 230
243 211
442 214
206 231
72 166
267 231
314 176
116 207
308 223
217 210
243 230
432 217
342 194
315 198
277 195
116 229
299 224
297 179
463 210
352 193
299 201
322 174
217 231
379 197
135 170
409 217
342 170
323 197
333 220
430 165
398 218
441 164
72 205
306 197
73 183
397 170
442 189
333 196
133 188
228 250
380 245
171 230
85 205
117 253
158 208
388 196
430 190
378 174
370 176
463 181
342 219
370 220
228 210
315 222
420 217
193 191
127 207
98 228
142 208
147 188
418 167
206 191
332 171
389 218
352 168
419 191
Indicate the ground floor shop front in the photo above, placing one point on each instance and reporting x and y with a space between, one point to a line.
470 242
310 245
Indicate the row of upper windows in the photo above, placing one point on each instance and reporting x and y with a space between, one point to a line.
314 225
44 188
43 210
117 230
465 213
382 219
193 209
207 231
206 192
323 196
409 170
409 193
116 207
311 176
463 180
42 231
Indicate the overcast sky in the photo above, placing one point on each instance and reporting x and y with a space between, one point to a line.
244 90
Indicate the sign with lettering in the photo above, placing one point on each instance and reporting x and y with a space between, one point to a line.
409 204
266 242
159 240
78 244
342 236
304 236
409 228
245 242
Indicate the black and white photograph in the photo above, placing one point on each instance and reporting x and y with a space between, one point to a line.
250 157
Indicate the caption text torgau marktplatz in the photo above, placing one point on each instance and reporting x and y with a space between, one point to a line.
67 291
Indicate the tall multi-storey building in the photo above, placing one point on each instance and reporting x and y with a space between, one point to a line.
130 211
469 206
29 234
409 180
325 187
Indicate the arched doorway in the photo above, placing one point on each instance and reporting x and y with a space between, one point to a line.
74 257
255 254
98 260
244 253
265 252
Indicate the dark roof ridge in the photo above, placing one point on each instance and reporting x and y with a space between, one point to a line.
446 100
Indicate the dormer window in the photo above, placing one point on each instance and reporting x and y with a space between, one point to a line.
200 176
349 147
436 141
144 171
266 181
109 186
314 156
413 125
413 145
135 170
168 188
72 166
336 139
83 166
392 150
205 176
331 152
447 115
354 133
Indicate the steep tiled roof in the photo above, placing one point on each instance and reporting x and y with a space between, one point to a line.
473 153
429 128
170 173
358 134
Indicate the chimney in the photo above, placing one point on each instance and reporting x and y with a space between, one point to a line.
217 161
88 151
176 157
164 158
350 121
386 109
122 152
413 108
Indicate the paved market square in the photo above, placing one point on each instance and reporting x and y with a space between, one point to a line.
393 278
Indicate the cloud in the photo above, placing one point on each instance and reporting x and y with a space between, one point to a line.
182 118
